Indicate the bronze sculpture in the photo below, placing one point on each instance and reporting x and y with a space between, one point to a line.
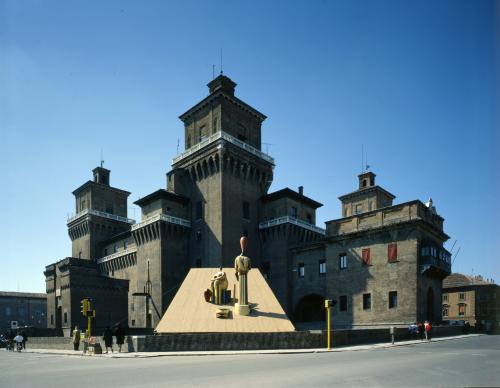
242 264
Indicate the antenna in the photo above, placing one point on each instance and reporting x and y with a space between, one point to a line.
267 146
455 256
221 61
362 157
451 250
367 166
102 160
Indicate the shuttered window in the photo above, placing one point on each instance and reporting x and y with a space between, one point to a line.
365 254
392 252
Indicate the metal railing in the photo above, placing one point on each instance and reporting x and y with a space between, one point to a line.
165 218
224 136
101 214
291 220
107 258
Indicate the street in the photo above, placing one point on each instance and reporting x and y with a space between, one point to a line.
455 363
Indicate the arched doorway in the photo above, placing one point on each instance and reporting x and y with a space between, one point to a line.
430 304
310 309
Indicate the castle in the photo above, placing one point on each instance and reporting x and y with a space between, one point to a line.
382 263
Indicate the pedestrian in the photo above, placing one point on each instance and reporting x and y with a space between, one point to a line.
428 328
120 337
25 338
76 338
108 339
18 339
420 331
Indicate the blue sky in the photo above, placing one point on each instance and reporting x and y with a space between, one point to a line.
414 83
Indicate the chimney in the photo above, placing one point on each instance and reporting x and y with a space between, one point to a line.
301 190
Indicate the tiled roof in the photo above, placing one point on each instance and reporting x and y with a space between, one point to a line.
461 280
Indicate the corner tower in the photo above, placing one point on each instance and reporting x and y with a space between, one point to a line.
224 173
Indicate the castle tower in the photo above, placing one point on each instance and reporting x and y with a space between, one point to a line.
101 212
224 173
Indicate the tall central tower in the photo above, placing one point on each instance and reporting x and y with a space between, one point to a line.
224 173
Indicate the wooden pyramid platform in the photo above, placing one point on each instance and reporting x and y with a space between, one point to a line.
190 313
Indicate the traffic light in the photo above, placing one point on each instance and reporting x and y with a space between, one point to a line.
85 307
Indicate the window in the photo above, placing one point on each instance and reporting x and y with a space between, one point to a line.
425 251
445 297
65 317
367 301
214 128
461 310
293 212
461 296
125 244
199 210
51 319
133 322
132 307
115 249
343 303
309 218
370 206
365 254
343 261
364 183
188 143
301 270
80 254
358 209
202 133
392 252
83 205
322 267
393 299
445 311
246 210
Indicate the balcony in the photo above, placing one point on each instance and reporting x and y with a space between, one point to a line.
291 220
438 263
116 255
165 218
101 214
217 137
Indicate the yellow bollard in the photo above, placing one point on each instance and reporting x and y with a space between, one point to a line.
328 304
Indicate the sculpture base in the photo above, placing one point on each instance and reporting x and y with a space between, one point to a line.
242 309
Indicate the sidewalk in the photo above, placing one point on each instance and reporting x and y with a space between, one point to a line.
244 352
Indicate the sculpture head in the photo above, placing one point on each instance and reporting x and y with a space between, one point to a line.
243 244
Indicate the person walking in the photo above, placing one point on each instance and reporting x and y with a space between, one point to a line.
25 338
120 337
428 329
76 338
19 341
108 339
420 331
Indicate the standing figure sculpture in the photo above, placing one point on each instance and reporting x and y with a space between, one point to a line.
242 265
218 285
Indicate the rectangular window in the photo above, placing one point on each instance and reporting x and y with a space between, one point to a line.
342 261
461 296
343 303
365 254
358 209
246 210
393 299
133 322
65 317
83 205
392 252
301 270
425 251
461 310
322 267
445 311
199 210
293 212
445 297
309 218
367 301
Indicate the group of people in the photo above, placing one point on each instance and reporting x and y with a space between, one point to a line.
118 332
18 339
422 330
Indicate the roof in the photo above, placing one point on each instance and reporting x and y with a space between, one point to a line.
189 313
289 193
214 96
90 183
32 295
161 194
365 191
461 280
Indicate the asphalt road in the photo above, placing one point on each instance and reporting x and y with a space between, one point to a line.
456 363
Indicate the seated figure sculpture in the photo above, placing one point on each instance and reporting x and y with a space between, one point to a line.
218 284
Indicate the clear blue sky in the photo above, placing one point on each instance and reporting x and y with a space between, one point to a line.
416 83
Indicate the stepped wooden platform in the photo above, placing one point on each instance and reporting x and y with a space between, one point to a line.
190 313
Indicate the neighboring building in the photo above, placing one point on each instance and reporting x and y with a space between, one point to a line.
216 191
22 308
472 299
